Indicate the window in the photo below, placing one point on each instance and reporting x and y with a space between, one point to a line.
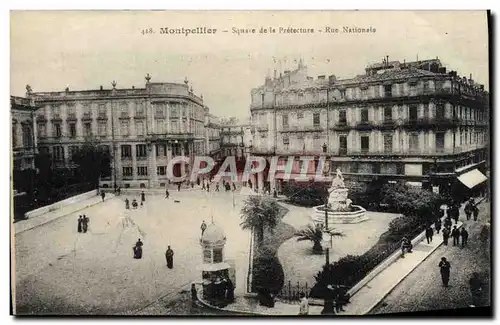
316 136
124 109
286 140
42 130
14 135
102 110
141 150
161 170
300 136
158 110
88 129
285 121
126 150
142 171
300 115
57 130
387 142
388 90
71 111
343 144
56 110
58 153
365 143
440 111
124 129
174 113
387 113
127 171
217 255
414 143
139 109
72 150
27 137
86 109
342 117
316 119
159 126
413 112
72 130
161 150
207 256
364 115
102 129
139 128
174 127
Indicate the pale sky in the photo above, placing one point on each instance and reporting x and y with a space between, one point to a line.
83 50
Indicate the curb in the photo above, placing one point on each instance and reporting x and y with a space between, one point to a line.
64 215
406 275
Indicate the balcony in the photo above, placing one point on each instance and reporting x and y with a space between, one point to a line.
102 117
430 123
124 116
364 126
170 136
87 117
341 126
139 115
71 117
387 124
56 118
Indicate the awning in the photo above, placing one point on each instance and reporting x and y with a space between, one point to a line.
213 267
472 178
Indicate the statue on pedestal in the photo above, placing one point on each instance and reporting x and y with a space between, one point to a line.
337 199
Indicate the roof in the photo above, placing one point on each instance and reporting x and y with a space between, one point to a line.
213 235
390 74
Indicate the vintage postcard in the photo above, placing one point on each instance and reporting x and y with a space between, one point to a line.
250 163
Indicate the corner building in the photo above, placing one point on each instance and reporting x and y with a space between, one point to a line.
411 122
142 128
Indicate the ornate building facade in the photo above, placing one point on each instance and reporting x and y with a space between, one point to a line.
142 128
24 140
413 122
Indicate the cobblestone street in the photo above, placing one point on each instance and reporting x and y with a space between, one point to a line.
61 271
422 289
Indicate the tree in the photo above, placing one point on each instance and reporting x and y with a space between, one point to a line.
259 213
314 233
229 121
93 162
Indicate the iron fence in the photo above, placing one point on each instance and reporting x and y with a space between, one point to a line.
290 293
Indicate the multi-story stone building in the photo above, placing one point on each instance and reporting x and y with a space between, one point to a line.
142 128
212 137
23 141
413 121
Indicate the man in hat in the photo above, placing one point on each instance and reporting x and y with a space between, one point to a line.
444 268
328 308
203 227
455 233
428 234
138 249
169 256
80 223
446 235
143 197
465 236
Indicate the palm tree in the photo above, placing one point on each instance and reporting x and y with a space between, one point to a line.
259 213
314 233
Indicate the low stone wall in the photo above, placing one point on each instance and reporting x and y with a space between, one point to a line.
59 205
358 216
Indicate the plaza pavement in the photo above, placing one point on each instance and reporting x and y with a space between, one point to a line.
61 271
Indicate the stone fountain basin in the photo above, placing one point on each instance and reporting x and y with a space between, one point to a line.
339 217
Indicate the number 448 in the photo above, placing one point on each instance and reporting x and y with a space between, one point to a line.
147 31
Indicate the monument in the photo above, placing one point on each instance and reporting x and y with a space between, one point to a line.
340 208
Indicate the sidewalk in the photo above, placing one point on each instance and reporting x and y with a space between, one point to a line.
25 225
379 287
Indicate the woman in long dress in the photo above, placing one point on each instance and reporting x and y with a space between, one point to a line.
80 221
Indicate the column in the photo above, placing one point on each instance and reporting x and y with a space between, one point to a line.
134 162
117 164
183 154
153 177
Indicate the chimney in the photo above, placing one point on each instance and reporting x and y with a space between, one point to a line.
332 79
100 88
133 87
470 76
322 77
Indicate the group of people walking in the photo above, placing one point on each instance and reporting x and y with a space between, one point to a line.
83 223
134 202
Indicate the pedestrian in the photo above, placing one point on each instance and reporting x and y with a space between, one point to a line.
465 235
304 305
250 184
127 204
178 186
203 227
169 256
456 212
275 194
234 187
447 222
444 267
143 197
208 187
103 194
192 184
134 204
455 233
217 187
475 211
194 294
476 289
80 221
437 225
85 223
203 187
167 193
138 249
328 308
428 234
446 235
468 209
